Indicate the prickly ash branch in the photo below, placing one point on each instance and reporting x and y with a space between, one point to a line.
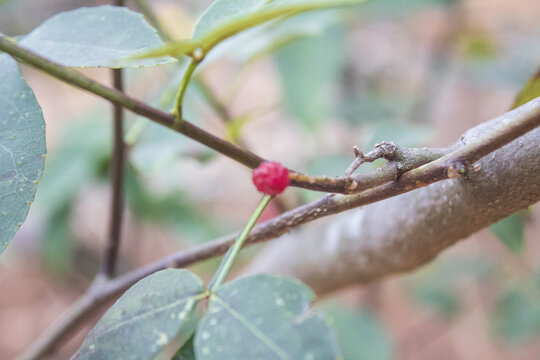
476 144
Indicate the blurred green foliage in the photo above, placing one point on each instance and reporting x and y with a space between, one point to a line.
387 8
309 70
80 158
400 132
516 314
361 335
437 286
511 232
530 91
172 208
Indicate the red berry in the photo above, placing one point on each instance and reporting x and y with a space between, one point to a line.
271 178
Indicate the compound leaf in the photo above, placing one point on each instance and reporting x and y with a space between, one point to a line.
263 317
146 318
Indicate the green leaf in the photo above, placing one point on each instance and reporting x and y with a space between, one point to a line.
263 317
145 319
516 316
223 11
273 36
264 39
226 18
360 334
443 300
103 36
309 68
22 149
530 91
511 232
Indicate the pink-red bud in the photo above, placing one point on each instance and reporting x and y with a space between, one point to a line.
271 178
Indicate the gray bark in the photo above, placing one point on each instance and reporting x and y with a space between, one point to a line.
402 233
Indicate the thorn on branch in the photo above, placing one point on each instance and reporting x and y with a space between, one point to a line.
386 150
359 159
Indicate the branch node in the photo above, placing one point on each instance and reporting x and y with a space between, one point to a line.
386 150
198 54
178 120
350 185
456 170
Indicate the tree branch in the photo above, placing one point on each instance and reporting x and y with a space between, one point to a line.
344 185
437 203
184 127
400 160
405 232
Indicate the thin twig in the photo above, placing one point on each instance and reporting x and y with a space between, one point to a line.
456 163
386 150
117 170
400 160
186 128
344 185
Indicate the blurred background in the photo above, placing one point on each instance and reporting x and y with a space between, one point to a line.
302 91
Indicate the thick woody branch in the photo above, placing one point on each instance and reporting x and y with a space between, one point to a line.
405 232
426 209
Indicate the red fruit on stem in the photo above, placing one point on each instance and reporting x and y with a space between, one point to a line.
271 178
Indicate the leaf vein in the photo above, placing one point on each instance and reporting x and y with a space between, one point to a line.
254 330
146 314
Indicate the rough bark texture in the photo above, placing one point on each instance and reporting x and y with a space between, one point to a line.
404 232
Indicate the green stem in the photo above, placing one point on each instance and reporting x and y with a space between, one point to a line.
191 66
232 254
